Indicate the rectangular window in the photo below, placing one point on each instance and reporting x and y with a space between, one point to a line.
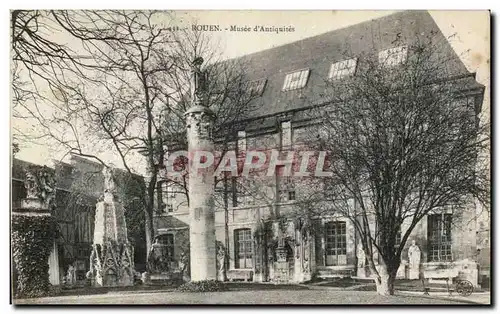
167 241
335 243
286 187
245 197
439 237
242 141
393 56
295 80
167 198
286 134
256 88
342 69
243 248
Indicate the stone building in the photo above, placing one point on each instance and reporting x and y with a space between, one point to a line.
252 222
79 185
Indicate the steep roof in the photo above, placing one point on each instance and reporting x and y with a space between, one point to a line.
319 52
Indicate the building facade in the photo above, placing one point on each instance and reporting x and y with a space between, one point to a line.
253 219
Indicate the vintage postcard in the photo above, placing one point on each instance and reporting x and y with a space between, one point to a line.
250 157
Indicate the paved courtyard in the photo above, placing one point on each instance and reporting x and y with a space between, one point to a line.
255 297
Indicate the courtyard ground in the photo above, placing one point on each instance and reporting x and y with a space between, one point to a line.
266 295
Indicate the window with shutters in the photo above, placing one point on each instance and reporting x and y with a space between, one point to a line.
296 80
393 56
335 243
342 69
243 248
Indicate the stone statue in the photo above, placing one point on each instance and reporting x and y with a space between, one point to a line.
71 276
109 181
361 257
40 184
31 185
221 259
158 261
199 80
46 186
183 263
183 266
414 260
306 243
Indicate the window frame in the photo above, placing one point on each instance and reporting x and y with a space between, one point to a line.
388 59
339 243
256 87
337 72
290 83
439 237
169 247
289 134
247 252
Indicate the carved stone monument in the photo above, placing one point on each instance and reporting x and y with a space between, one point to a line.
414 261
199 122
40 187
40 191
112 258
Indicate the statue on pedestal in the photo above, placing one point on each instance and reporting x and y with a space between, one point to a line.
414 260
199 80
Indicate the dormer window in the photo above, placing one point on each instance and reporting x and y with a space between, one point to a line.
393 56
343 69
295 80
256 88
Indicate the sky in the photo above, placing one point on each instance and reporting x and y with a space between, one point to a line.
471 27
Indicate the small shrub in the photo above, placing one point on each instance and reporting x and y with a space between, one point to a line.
203 286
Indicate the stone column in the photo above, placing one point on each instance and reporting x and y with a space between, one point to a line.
199 123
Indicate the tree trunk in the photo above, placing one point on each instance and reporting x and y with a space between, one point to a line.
148 226
385 281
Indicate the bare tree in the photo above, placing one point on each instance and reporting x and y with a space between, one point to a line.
132 98
402 138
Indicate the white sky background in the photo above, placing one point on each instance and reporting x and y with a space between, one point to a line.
471 27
